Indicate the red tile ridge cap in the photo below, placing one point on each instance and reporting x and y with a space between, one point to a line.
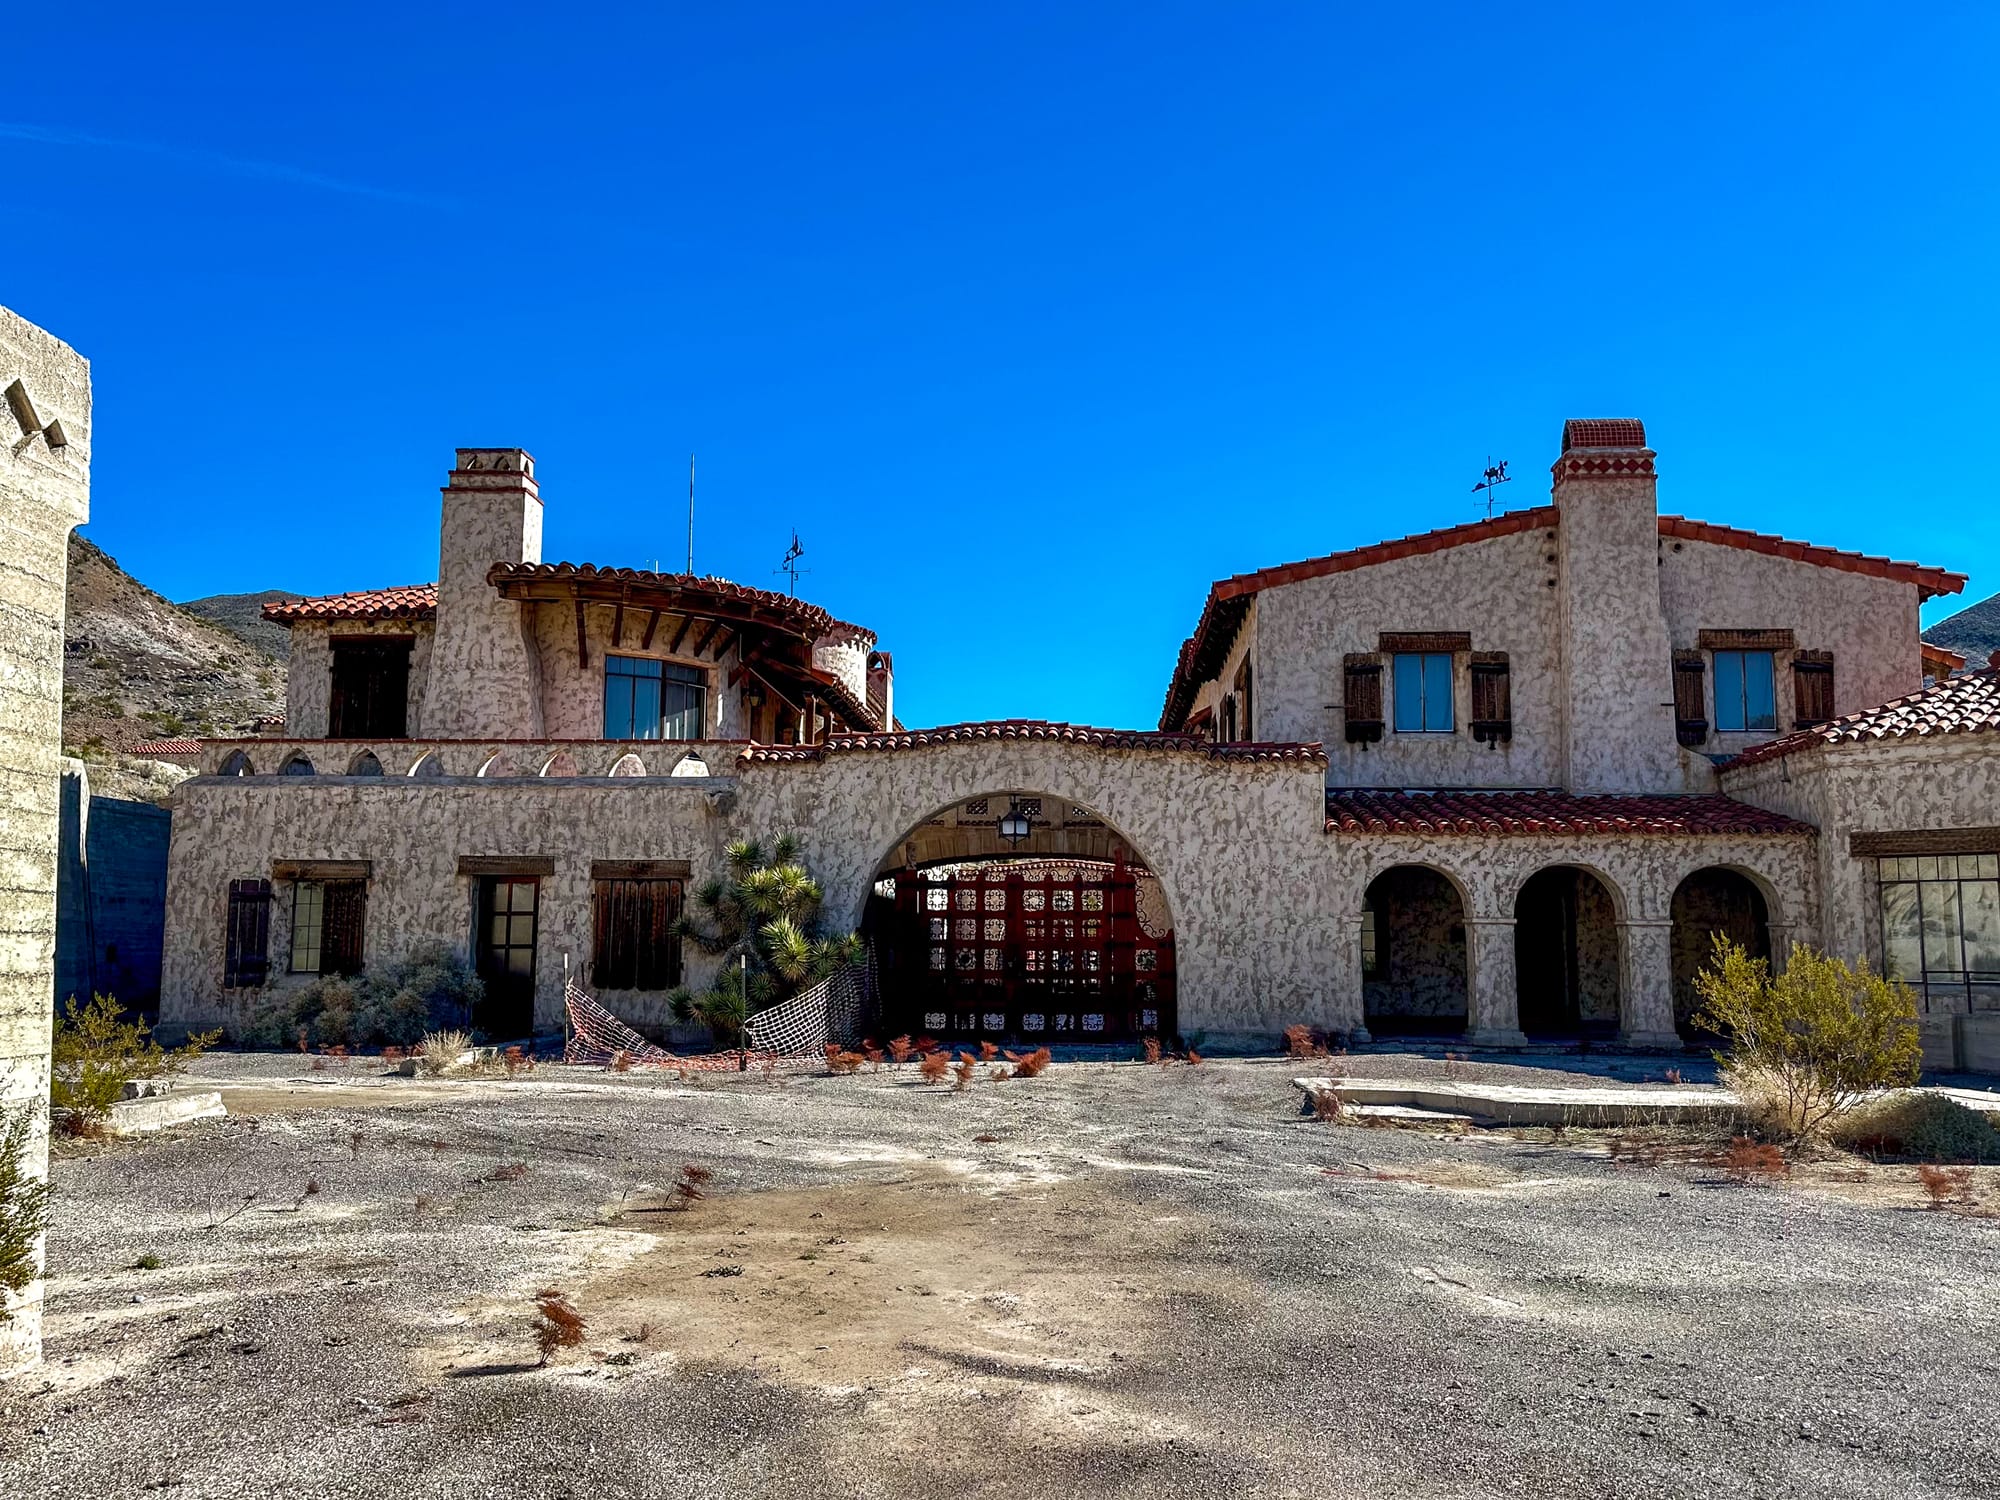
1932 581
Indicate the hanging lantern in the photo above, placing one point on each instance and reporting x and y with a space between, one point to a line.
1014 824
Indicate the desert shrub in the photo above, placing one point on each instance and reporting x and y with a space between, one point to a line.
1926 1126
933 1068
24 1207
1326 1104
439 1050
558 1325
1806 1046
962 1070
95 1052
391 1003
691 1187
902 1049
1033 1065
1944 1184
1747 1161
1153 1050
840 1060
1302 1040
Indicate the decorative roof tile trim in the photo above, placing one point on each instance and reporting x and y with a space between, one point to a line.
406 601
167 747
1968 704
1037 729
1517 814
1228 600
809 619
1603 432
1940 656
1932 581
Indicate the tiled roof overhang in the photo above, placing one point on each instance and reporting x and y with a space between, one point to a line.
1969 704
1519 814
166 747
671 593
1930 581
1037 729
408 601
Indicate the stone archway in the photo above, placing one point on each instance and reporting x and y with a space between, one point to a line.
1566 954
1061 936
1712 901
1415 978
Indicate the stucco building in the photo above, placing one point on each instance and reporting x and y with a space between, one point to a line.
1498 781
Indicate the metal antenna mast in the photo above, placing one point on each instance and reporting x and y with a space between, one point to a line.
690 515
1492 478
790 566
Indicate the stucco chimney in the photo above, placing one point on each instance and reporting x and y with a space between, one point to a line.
1617 667
882 687
484 678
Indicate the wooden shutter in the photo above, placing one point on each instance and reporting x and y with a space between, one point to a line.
1492 697
343 919
1362 698
1690 699
1812 688
246 960
635 936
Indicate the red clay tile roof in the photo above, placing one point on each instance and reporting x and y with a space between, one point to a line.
1035 729
1603 432
1969 704
1941 658
1932 581
1547 813
167 747
809 620
408 601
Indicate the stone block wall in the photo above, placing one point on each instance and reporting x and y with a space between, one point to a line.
111 890
44 493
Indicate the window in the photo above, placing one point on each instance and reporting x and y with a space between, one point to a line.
1361 705
1690 699
1812 688
246 959
327 921
1941 926
1373 959
653 700
634 941
1246 720
1423 692
1745 691
371 688
1492 697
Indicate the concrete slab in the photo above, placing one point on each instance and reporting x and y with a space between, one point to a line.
156 1112
1513 1104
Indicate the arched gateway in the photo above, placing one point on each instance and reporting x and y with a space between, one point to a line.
1021 916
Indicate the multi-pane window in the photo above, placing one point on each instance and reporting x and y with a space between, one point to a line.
328 917
1373 965
653 700
245 947
1423 692
1746 695
1941 927
636 941
370 688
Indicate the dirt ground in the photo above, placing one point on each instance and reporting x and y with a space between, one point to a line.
1112 1279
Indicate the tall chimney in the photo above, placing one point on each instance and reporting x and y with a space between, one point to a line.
882 687
485 679
1618 731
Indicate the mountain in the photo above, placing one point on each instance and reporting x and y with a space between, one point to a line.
137 667
1974 632
242 615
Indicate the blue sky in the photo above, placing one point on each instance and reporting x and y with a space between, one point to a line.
1033 320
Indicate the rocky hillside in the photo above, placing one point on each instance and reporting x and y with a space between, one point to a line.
1974 632
137 667
242 615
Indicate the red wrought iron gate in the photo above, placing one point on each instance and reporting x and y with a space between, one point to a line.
1050 952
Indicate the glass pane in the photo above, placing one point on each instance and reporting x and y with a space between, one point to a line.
524 895
1989 867
1927 867
521 930
1409 694
1729 690
1982 926
617 707
1942 953
520 961
1759 690
496 934
1901 957
307 913
1437 694
645 710
682 705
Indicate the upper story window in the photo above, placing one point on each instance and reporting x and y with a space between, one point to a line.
1746 695
653 700
371 688
1423 693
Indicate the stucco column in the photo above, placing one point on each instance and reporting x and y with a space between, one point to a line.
1646 1008
1493 1016
1346 1005
1783 935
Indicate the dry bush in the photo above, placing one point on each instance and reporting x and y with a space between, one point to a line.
392 1055
1747 1161
1152 1046
24 1207
691 1187
933 1068
874 1054
901 1048
516 1060
1194 1058
963 1069
928 1044
1302 1040
1034 1064
94 1052
1327 1105
621 1061
1922 1125
439 1050
999 1071
1672 1076
840 1060
987 1052
558 1325
1944 1184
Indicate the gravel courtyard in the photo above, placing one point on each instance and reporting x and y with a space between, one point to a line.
1111 1280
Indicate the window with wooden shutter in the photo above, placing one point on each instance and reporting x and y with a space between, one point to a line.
370 687
1362 698
246 960
1690 699
1492 697
636 942
1812 688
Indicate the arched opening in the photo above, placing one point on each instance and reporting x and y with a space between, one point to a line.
628 765
236 763
690 765
1413 963
1711 901
1566 966
365 764
296 764
562 763
430 764
1061 934
498 764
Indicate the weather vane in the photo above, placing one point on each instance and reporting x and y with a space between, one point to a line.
1492 477
790 566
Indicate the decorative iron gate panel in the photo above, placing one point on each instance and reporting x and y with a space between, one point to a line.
1048 953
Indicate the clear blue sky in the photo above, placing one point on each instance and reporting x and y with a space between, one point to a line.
1033 319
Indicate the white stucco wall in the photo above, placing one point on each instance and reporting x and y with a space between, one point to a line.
309 673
